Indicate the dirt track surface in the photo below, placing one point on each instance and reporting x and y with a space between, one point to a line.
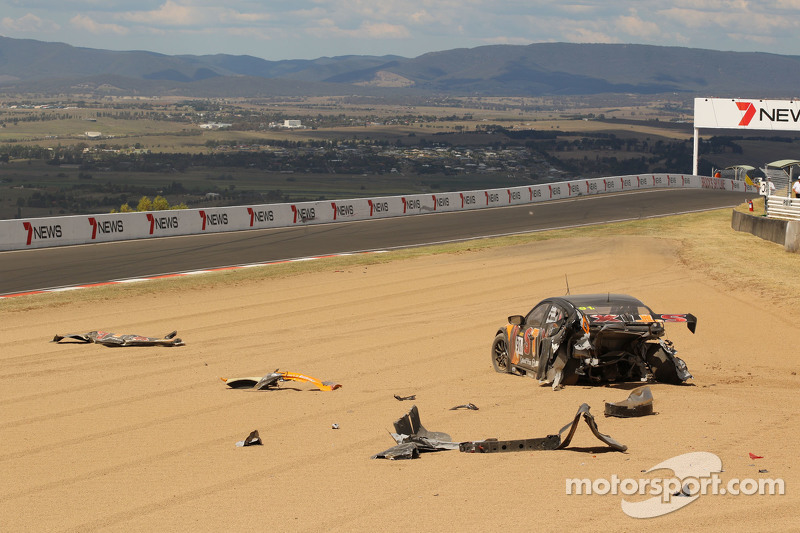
142 439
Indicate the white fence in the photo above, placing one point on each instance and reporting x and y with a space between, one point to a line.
84 229
783 207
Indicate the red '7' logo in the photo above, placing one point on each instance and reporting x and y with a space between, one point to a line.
29 228
749 112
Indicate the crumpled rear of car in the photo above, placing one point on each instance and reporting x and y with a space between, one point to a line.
594 339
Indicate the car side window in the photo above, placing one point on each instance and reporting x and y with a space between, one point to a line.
555 319
537 315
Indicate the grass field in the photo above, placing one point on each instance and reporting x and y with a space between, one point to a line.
23 179
172 126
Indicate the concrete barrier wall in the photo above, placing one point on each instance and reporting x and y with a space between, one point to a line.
769 229
792 242
83 229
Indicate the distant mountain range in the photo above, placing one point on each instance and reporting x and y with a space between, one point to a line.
500 70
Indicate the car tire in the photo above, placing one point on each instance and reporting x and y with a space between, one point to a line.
662 365
501 360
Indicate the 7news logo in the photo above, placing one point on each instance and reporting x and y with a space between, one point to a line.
777 114
105 226
41 232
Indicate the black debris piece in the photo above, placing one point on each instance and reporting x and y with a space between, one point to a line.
638 403
470 406
404 398
252 440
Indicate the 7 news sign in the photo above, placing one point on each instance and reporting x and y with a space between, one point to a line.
738 113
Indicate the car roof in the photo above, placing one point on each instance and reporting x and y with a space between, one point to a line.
579 300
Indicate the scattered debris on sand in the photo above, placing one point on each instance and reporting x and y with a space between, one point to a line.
115 339
550 442
252 439
412 439
274 379
638 403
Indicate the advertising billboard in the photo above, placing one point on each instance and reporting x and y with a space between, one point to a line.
742 113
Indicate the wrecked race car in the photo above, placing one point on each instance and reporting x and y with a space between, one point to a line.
591 338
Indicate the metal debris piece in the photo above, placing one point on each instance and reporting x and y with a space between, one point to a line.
408 450
273 379
470 406
551 442
113 339
334 426
412 439
409 428
404 398
252 440
638 403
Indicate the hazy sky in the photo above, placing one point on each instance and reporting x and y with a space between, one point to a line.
308 29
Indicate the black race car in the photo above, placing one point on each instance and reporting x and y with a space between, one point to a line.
593 338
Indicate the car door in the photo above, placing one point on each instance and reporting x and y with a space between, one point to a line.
554 323
527 339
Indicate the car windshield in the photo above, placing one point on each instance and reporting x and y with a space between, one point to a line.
615 309
601 304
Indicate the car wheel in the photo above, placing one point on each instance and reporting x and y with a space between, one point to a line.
662 365
500 358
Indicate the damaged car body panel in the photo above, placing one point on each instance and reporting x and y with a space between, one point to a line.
413 439
593 338
274 379
106 338
551 442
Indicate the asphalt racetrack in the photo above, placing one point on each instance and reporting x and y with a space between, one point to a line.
29 270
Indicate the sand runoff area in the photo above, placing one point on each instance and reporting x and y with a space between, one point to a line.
143 439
